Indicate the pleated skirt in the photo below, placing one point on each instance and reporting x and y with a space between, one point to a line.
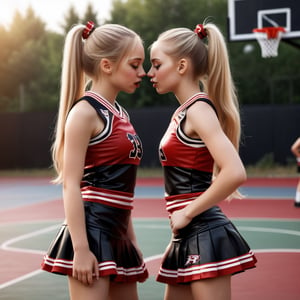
210 246
107 236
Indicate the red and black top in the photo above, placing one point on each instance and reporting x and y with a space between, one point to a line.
112 157
186 161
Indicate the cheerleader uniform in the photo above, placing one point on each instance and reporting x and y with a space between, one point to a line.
107 189
210 245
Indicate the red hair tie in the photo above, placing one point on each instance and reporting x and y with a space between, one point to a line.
89 28
200 30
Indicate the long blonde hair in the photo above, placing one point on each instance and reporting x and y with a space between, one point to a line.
81 59
211 66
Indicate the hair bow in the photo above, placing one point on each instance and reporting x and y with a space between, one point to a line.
201 32
89 28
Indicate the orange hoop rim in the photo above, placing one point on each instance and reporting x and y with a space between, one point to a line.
271 32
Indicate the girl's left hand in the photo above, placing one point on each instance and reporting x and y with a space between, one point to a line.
179 220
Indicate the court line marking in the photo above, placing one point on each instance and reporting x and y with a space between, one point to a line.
241 228
269 230
158 256
6 245
19 279
148 259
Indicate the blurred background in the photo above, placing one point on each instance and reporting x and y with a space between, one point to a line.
32 34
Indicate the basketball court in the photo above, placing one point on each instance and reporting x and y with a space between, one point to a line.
31 212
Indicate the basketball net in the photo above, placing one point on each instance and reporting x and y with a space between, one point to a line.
269 39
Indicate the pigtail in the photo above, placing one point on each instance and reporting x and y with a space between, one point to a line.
72 88
221 89
220 85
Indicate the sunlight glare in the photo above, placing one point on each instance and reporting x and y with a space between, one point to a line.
51 12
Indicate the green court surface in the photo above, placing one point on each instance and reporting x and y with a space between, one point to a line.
265 236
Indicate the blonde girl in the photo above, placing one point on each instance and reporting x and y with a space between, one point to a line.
199 155
96 153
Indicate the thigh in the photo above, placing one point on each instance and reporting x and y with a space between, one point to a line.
97 291
178 292
123 291
218 288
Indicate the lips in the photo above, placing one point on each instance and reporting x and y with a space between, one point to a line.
154 83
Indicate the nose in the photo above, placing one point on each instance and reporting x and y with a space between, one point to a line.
142 73
150 73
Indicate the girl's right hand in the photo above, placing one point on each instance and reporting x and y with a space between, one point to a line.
85 266
179 220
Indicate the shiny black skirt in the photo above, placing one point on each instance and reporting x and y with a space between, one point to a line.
107 235
210 246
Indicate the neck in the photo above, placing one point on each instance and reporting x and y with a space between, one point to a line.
187 88
105 91
186 94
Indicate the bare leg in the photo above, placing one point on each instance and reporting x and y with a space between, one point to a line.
218 288
297 196
123 291
97 291
298 185
178 292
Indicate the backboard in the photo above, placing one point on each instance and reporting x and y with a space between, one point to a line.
245 15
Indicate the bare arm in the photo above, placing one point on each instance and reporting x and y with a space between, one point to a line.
296 148
78 130
202 122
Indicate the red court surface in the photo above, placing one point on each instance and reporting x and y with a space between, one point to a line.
275 278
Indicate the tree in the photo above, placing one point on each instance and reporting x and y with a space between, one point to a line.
71 18
4 55
31 59
22 66
258 80
90 15
46 89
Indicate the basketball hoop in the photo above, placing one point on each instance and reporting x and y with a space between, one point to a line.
269 39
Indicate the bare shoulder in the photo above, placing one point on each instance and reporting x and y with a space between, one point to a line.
83 109
83 118
202 112
201 121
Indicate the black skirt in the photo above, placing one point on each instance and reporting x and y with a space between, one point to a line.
210 246
107 235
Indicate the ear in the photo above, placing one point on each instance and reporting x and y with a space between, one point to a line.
182 66
106 66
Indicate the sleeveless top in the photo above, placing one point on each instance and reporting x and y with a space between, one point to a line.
186 161
112 157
